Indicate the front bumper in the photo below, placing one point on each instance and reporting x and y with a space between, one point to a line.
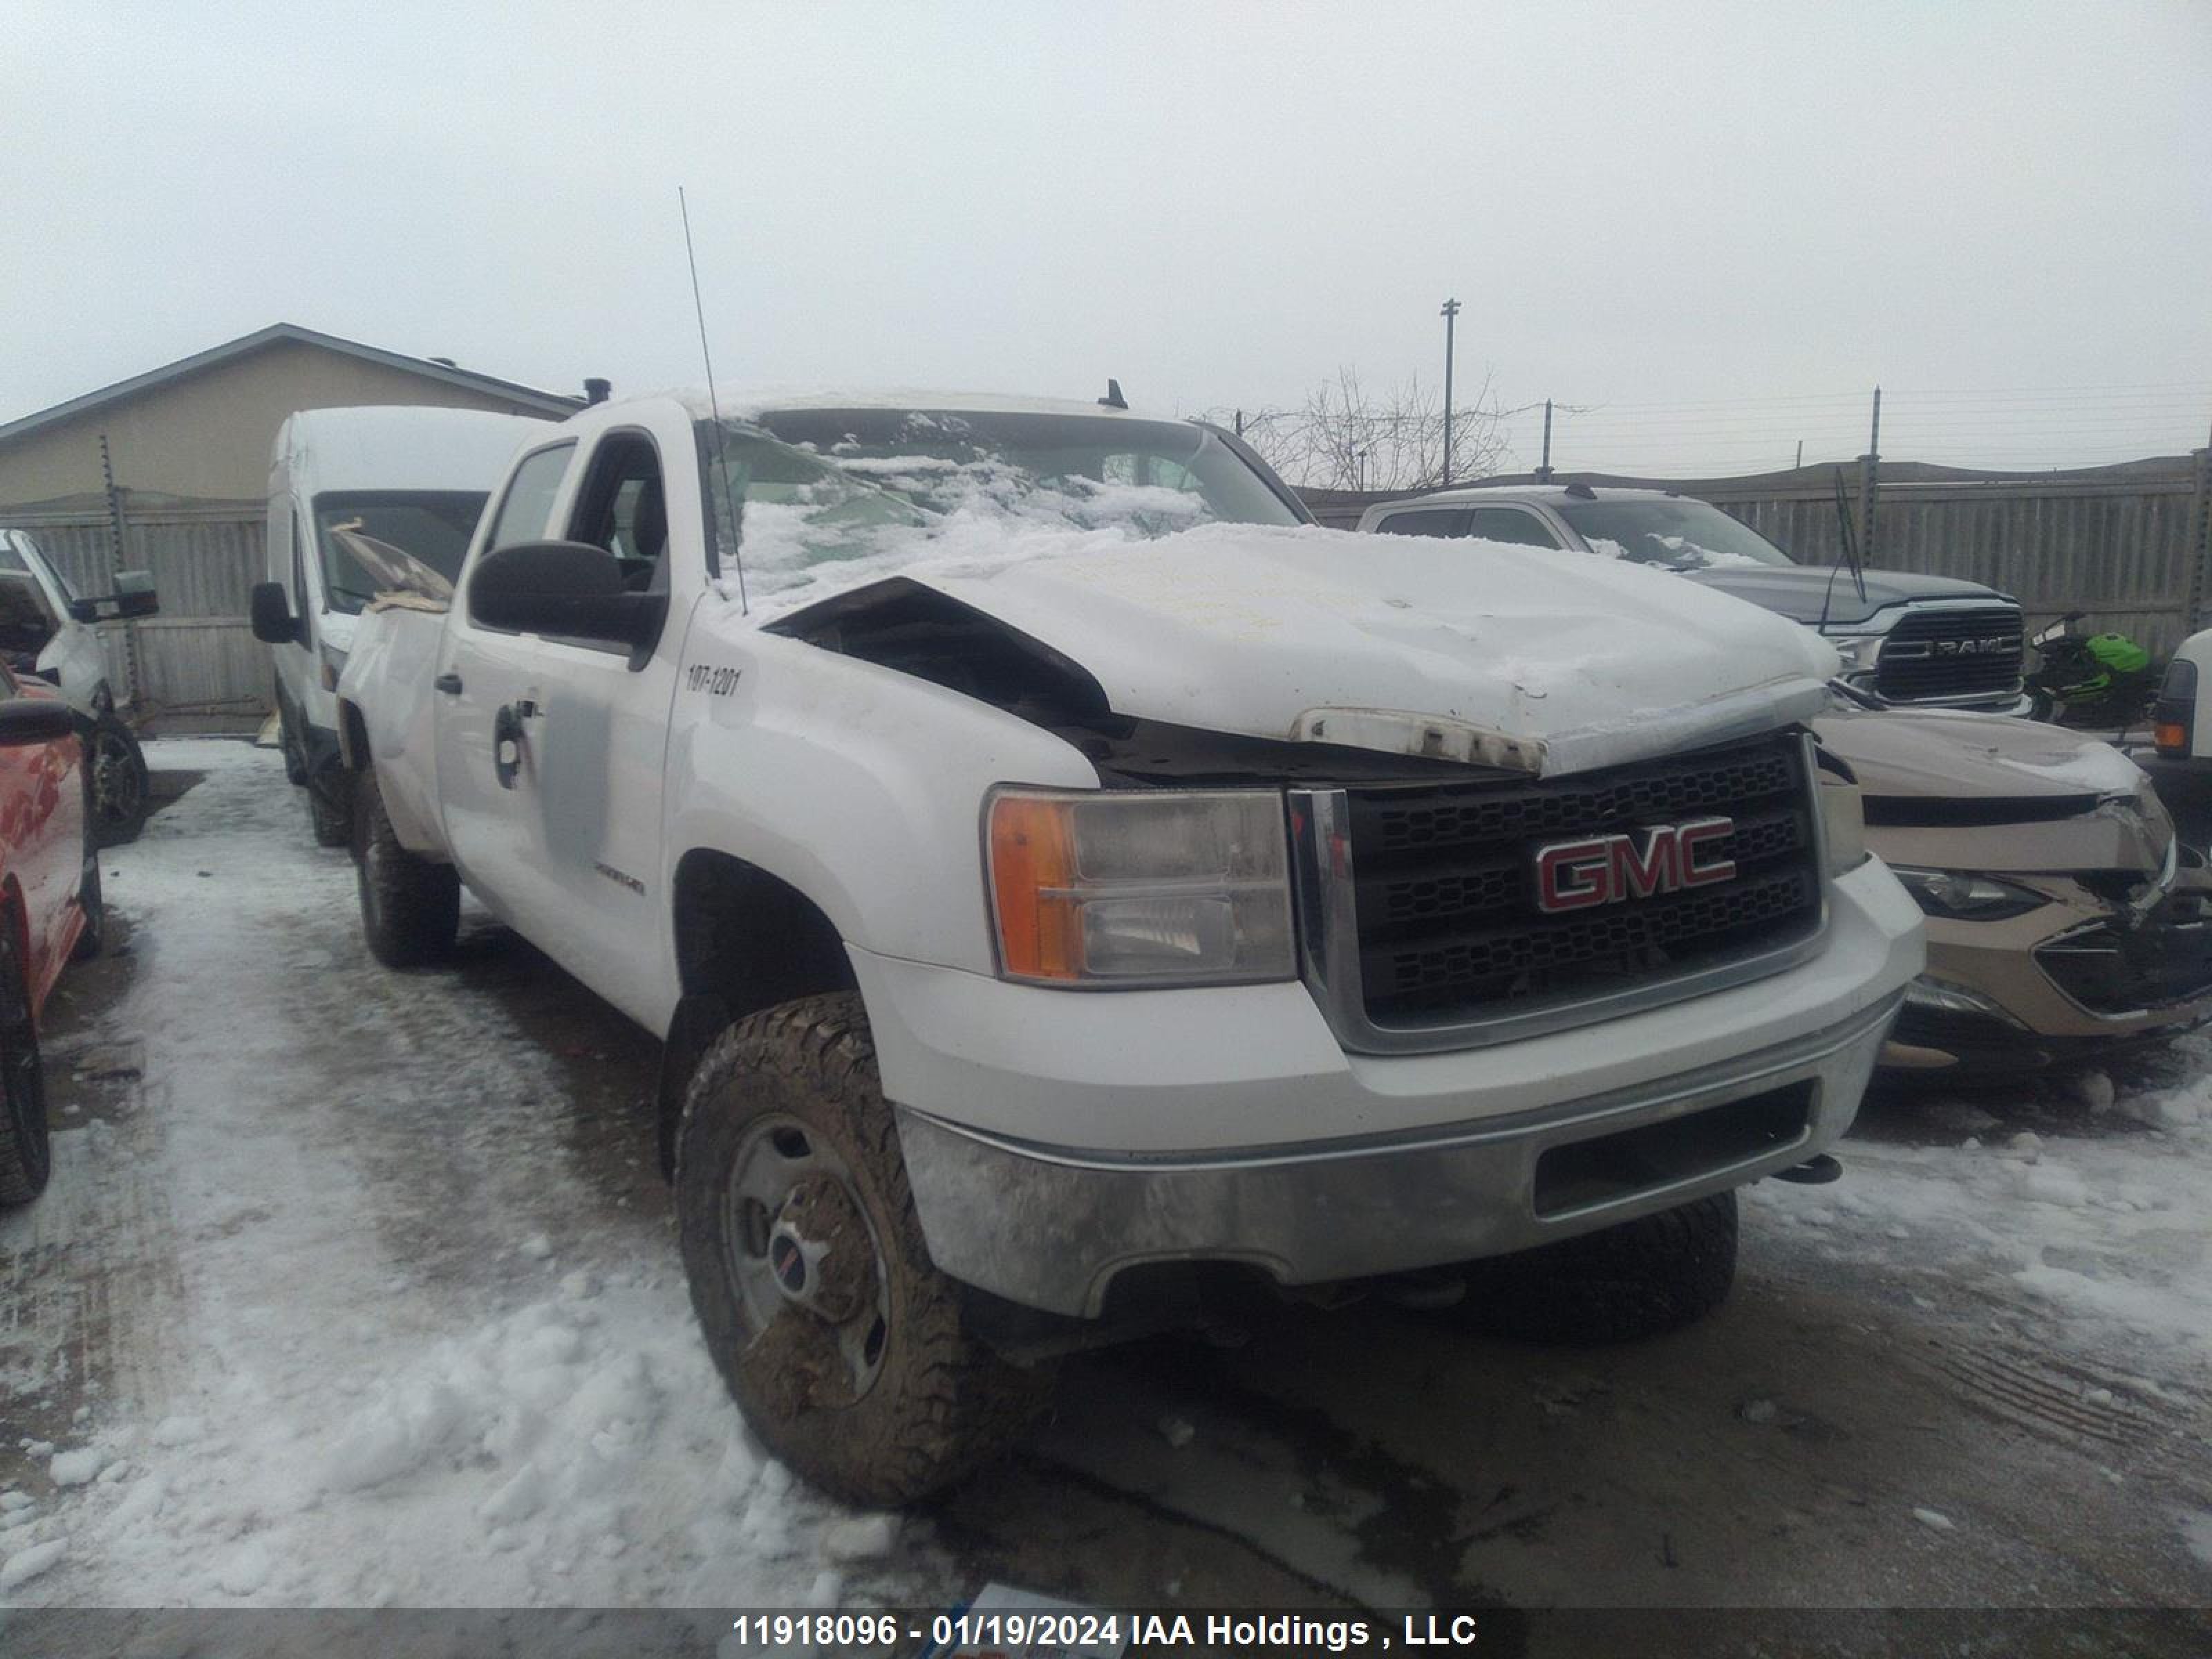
1050 1228
1055 1139
2054 1000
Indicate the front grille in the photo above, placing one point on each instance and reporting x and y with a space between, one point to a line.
2115 970
1940 654
1448 925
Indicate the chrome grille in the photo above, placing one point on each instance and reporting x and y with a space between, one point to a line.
1943 655
1434 927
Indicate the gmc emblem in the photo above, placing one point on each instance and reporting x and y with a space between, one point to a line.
1579 875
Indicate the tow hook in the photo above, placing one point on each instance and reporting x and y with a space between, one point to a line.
1814 1172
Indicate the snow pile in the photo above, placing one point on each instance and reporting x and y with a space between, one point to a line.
2099 1217
788 566
367 1390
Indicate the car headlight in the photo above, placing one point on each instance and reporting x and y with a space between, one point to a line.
1960 897
1096 888
1843 817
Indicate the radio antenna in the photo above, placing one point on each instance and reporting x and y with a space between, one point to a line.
713 408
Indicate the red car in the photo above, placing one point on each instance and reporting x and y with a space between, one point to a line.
50 908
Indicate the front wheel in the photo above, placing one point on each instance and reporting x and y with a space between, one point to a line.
26 1148
117 766
842 1343
411 909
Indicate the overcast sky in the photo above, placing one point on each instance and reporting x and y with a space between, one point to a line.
1715 228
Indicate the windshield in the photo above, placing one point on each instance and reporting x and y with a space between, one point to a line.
816 487
17 552
367 539
1679 534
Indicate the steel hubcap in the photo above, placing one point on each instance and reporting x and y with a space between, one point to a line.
807 1267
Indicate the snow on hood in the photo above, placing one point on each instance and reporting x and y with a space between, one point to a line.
1908 752
1408 644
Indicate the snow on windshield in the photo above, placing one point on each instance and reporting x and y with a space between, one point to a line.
833 499
1675 533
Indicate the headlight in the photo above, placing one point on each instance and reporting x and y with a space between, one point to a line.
1960 897
1844 817
1102 889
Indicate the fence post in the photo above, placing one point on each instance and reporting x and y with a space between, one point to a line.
1867 485
2199 542
129 698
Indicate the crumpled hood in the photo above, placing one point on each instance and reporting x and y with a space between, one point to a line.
1926 753
1985 793
1408 644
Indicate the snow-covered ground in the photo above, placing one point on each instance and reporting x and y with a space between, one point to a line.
378 1343
354 1288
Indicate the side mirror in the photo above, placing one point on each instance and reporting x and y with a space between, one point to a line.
569 590
271 615
26 720
134 596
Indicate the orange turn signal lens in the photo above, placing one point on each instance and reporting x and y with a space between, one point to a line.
2171 737
1032 882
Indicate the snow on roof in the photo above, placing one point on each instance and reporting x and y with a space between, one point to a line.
1461 493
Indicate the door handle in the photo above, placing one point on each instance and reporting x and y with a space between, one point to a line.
506 744
449 683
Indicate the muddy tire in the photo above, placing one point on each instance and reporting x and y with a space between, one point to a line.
118 767
1622 1284
841 1341
26 1147
330 813
411 909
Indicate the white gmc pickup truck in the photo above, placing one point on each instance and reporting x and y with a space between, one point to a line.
1070 888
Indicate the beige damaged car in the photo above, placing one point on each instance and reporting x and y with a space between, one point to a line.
2066 922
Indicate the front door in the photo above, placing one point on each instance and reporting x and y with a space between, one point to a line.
558 747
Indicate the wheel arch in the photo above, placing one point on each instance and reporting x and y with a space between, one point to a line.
745 940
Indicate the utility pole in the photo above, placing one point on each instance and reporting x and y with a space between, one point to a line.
1451 314
1867 464
1544 471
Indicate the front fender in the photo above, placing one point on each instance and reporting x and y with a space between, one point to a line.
387 681
861 786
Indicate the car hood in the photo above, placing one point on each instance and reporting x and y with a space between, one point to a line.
1404 644
1806 593
1981 792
